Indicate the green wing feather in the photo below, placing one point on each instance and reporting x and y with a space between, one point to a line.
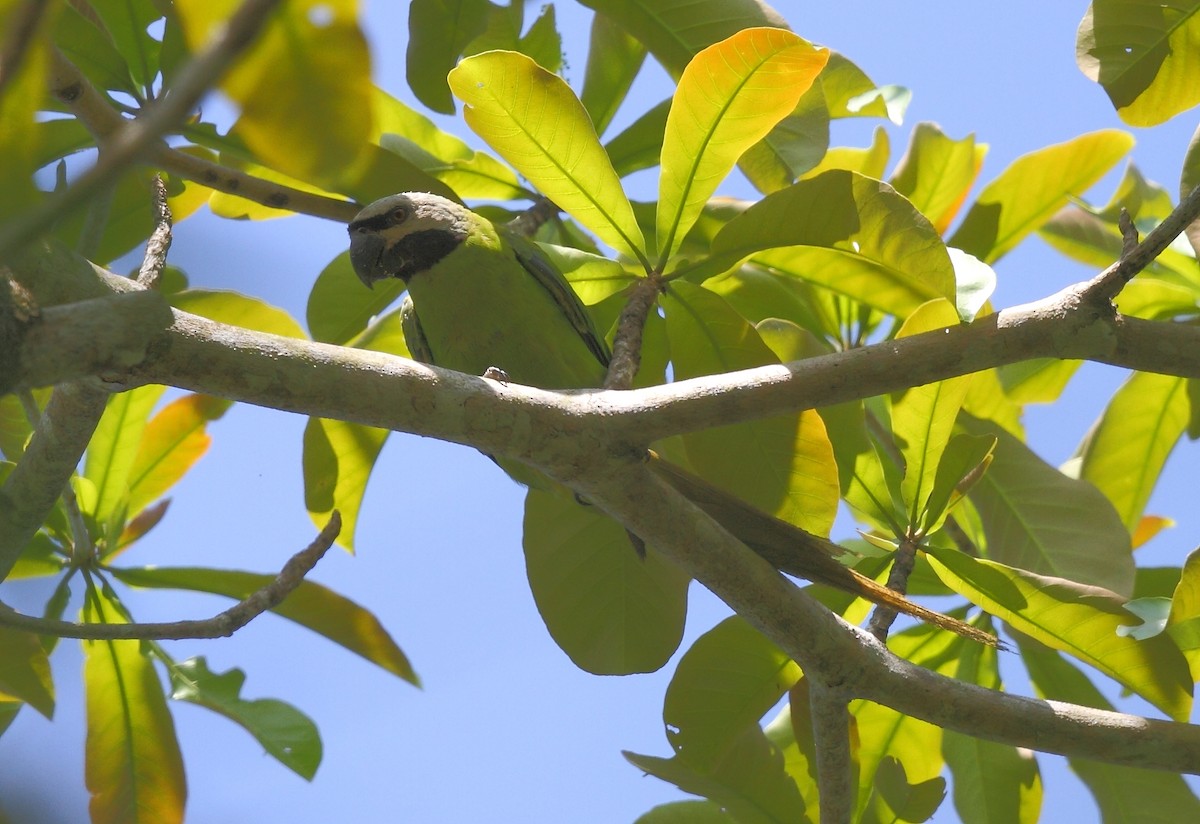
414 335
530 255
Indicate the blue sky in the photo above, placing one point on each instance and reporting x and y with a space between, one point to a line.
506 728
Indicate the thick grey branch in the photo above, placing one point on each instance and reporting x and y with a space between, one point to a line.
835 766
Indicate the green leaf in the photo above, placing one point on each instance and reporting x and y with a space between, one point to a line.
1040 380
751 784
729 98
910 802
937 172
286 733
113 450
133 767
639 146
1126 449
304 87
533 119
414 137
795 146
723 685
87 43
1183 623
1028 193
1038 519
846 232
675 30
685 812
974 283
311 605
868 162
127 23
992 782
1125 794
923 416
339 308
610 610
1074 618
173 440
783 465
439 30
963 456
338 458
886 734
237 309
614 59
25 670
1143 55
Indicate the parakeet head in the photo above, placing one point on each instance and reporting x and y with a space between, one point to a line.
402 235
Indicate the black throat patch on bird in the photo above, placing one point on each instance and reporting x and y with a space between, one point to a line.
419 251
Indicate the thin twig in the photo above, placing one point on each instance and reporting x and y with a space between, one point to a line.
155 258
220 625
627 344
529 221
132 140
1109 283
903 561
70 87
22 24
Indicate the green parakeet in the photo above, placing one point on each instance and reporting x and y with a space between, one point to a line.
482 297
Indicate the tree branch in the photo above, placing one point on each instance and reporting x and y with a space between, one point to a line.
86 102
831 741
134 137
155 258
221 625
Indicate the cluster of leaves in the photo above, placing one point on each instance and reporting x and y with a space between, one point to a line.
829 258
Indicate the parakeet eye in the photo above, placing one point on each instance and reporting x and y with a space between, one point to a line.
399 214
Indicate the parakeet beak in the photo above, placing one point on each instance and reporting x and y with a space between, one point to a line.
366 254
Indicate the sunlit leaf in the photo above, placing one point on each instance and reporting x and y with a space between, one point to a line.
960 466
1040 380
724 684
172 442
1127 448
25 670
338 458
22 97
237 309
286 733
923 416
937 172
126 24
611 611
1144 55
783 465
304 86
1038 519
133 767
1033 188
1125 794
729 98
675 30
685 812
311 605
846 232
1074 618
868 162
114 447
533 119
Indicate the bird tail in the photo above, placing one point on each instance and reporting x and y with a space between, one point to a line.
798 552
